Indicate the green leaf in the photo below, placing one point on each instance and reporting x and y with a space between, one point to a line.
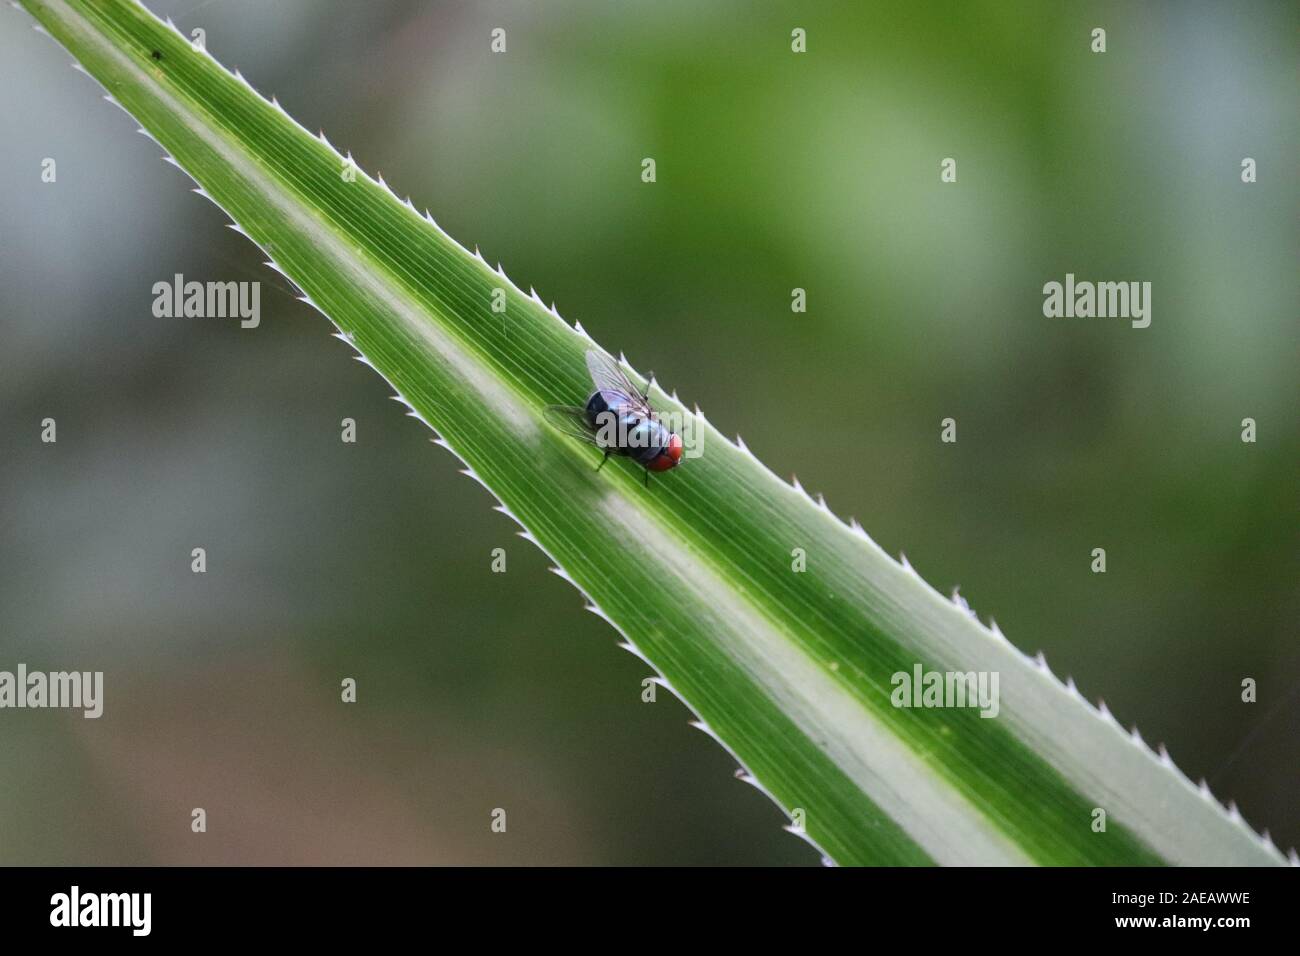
792 671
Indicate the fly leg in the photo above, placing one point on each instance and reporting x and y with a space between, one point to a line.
647 479
603 460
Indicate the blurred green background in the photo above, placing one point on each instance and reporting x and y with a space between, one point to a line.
775 171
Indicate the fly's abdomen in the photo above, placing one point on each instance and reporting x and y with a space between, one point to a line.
605 424
596 406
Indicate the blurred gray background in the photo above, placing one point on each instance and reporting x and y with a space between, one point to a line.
820 171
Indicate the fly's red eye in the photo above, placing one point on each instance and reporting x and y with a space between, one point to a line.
669 457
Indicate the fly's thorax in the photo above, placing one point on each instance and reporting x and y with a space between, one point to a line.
647 439
626 432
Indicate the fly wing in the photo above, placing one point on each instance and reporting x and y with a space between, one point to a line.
611 382
571 420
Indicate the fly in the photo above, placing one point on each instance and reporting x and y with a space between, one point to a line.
618 420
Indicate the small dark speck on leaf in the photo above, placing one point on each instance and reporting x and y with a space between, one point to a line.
157 55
